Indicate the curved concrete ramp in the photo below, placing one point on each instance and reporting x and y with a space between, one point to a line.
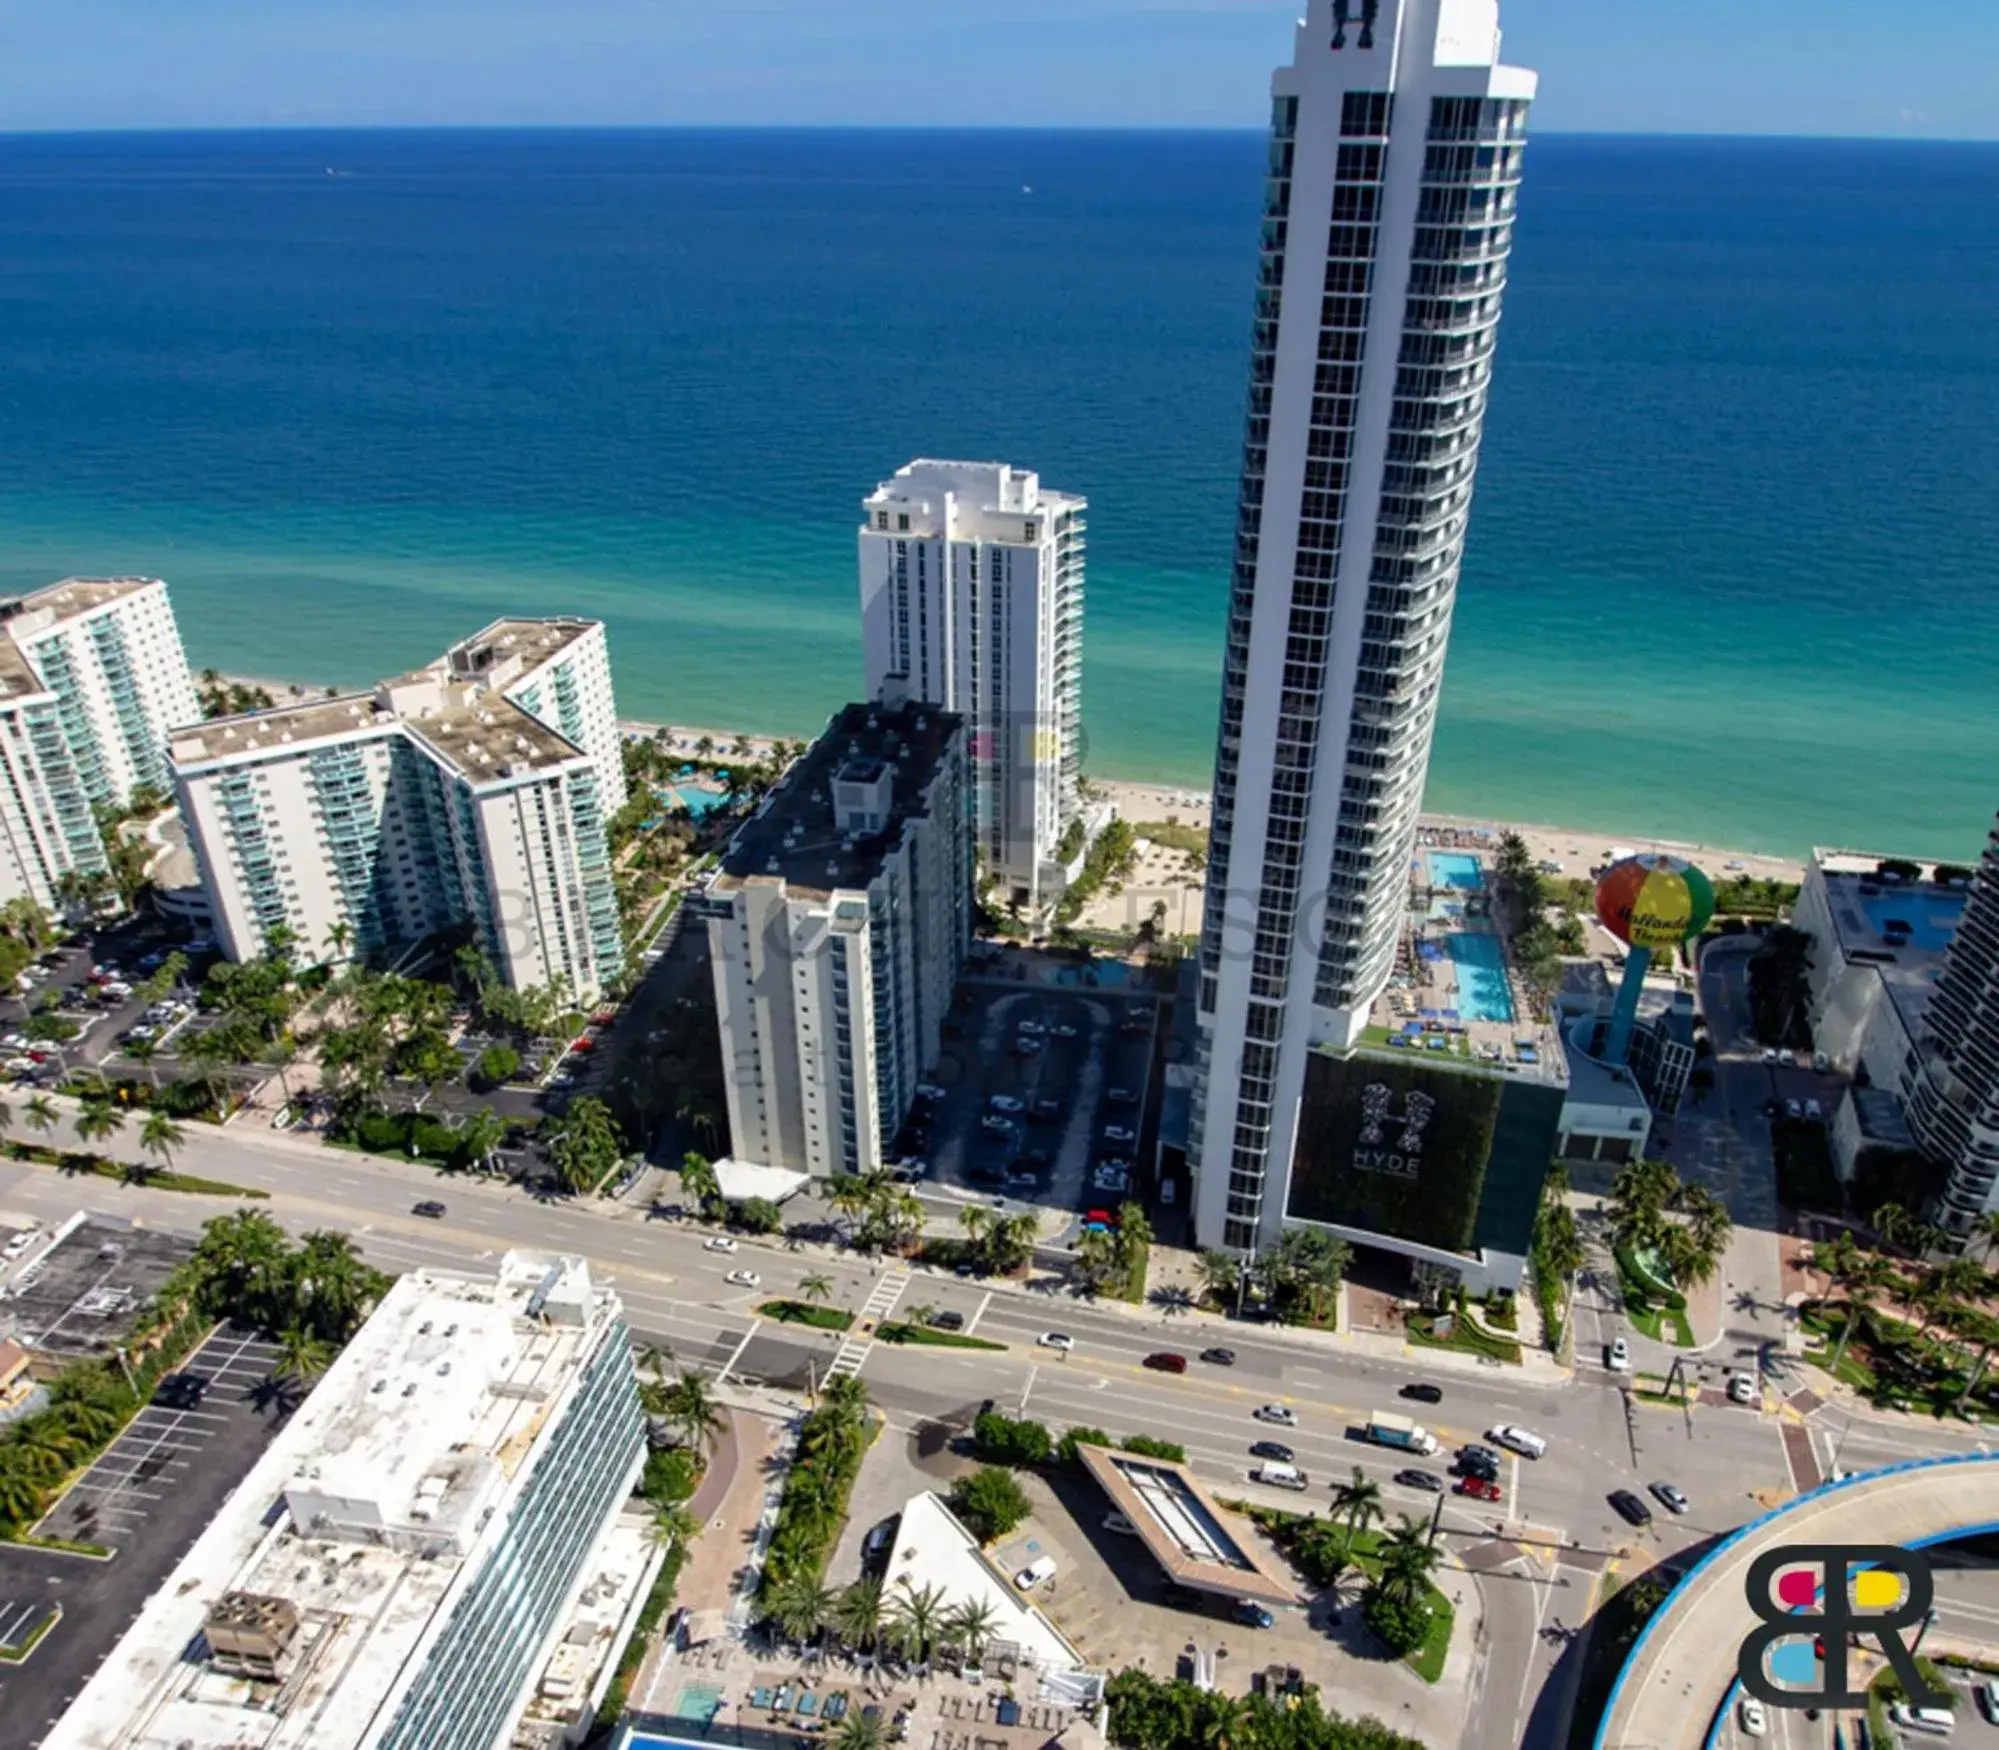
1682 1670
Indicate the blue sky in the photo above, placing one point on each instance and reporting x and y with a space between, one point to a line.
1921 67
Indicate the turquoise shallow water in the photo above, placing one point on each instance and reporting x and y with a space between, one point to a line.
1731 571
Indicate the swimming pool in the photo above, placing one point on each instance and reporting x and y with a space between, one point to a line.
1932 918
1483 991
1455 869
696 801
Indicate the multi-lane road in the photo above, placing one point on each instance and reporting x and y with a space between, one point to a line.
1557 1525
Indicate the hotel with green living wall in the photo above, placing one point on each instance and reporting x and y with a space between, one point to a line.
476 791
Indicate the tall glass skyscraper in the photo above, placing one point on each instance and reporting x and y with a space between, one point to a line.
1395 152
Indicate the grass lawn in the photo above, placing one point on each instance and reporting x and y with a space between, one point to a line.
1173 834
923 1335
1661 1324
1467 1338
798 1312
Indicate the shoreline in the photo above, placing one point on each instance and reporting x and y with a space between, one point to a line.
1138 800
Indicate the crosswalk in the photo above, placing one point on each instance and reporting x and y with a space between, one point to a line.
860 1342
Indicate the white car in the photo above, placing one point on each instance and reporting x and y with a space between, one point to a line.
1056 1340
1282 1414
1063 1030
1119 1134
720 1243
1521 1440
1754 1721
18 1244
929 1091
1005 1103
1034 1573
1618 1359
1741 1389
744 1279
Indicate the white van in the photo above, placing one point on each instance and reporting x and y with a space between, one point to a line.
1280 1476
1034 1573
1939 1722
1521 1440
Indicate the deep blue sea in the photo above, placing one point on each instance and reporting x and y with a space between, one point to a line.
1732 571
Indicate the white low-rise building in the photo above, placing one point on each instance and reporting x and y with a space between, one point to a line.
837 926
471 791
401 1567
972 600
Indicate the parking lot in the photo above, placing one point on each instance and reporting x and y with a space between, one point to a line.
1044 1093
148 1497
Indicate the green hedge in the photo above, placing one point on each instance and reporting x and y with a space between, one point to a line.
1146 1446
130 1173
1651 1286
799 1312
923 1335
814 1504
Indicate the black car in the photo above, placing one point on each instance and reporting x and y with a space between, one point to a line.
430 1207
948 1320
1421 1479
1033 1160
1219 1357
1423 1392
1629 1508
1476 1461
1045 1111
181 1391
1272 1449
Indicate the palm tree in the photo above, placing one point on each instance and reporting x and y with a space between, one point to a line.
816 1287
302 1353
483 1132
1869 1281
1097 1258
691 1410
98 1121
859 1731
143 1052
847 1401
1221 1275
160 1135
914 1619
671 1525
654 1390
970 1626
857 1614
1839 1258
1359 1500
41 1114
800 1606
1407 1560
1893 1223
339 934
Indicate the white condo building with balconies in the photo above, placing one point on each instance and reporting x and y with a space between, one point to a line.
477 789
972 601
1395 157
837 926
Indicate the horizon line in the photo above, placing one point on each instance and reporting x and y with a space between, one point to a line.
321 128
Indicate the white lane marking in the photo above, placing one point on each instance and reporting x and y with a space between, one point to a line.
1027 1387
973 1325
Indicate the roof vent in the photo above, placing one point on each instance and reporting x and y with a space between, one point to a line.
377 1388
423 1330
443 1367
409 1391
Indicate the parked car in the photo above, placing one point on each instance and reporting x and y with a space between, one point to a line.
1423 1392
1064 1030
181 1391
743 1279
1056 1340
1166 1362
1251 1614
720 1243
1428 1481
1119 1134
994 1125
1793 1110
1006 1103
429 1207
1814 1111
1119 1096
929 1091
1272 1449
1672 1499
1282 1414
18 1244
1617 1357
1045 1111
1119 1525
1034 1573
1629 1507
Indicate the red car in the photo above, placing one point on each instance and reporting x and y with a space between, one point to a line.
586 1043
1102 1215
1167 1363
1478 1488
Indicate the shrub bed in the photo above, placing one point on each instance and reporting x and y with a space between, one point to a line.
799 1312
924 1335
1466 1337
814 1506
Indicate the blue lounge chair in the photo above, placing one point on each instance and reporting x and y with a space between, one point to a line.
808 1705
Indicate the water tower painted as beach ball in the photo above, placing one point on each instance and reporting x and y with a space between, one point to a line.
1649 903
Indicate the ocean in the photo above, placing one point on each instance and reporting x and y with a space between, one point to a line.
1731 574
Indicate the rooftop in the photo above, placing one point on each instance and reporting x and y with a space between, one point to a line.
479 735
1198 1544
509 649
932 1548
74 596
992 487
17 679
80 1289
890 755
358 1521
1900 928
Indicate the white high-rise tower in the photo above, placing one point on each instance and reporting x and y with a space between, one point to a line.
972 600
1395 153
